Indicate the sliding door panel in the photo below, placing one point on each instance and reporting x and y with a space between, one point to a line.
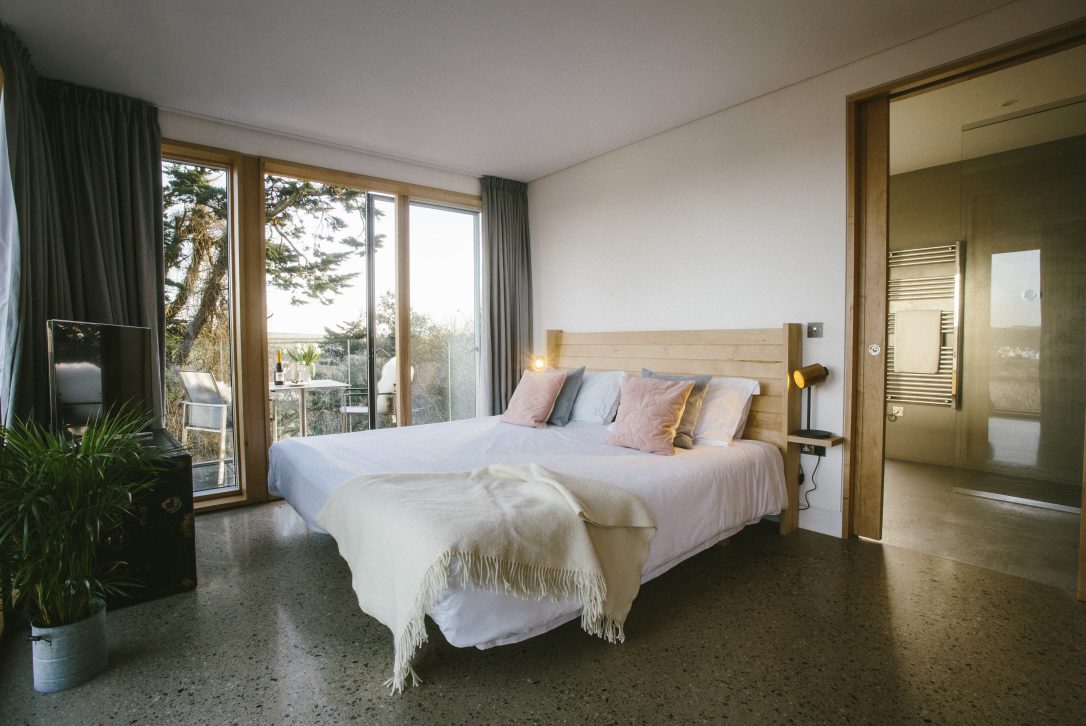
199 405
444 313
383 270
1023 185
318 312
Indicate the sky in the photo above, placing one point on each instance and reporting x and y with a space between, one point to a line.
1016 289
442 274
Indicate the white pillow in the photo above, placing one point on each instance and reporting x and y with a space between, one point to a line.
597 401
724 411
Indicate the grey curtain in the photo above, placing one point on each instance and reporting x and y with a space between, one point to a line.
509 285
86 172
37 280
107 160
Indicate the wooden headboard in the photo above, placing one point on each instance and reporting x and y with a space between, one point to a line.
766 354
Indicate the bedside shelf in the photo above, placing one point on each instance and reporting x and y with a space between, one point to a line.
832 441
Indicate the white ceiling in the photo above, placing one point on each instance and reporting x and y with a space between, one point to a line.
926 130
514 88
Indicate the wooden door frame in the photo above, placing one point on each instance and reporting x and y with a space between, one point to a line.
246 265
867 199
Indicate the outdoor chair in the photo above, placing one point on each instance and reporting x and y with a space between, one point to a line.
356 402
205 409
386 391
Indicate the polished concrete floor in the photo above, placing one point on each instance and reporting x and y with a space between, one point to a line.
804 628
921 512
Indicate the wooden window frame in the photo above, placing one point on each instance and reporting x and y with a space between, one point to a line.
246 253
404 193
249 299
418 192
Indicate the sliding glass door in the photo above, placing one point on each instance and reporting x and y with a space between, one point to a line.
382 395
1020 433
330 286
199 400
444 312
273 260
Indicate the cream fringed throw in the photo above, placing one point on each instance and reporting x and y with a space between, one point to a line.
522 530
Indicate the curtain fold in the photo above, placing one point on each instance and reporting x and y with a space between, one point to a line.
509 285
87 186
107 162
9 264
37 282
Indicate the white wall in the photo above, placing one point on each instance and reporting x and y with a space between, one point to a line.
256 142
735 220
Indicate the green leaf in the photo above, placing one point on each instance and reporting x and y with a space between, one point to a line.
57 497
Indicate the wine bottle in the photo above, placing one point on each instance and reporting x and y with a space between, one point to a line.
280 377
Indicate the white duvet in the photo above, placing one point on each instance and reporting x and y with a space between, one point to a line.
697 497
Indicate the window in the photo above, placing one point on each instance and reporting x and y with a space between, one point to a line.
331 306
444 313
199 400
267 257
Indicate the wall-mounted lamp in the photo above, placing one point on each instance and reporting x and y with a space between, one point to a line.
539 363
808 377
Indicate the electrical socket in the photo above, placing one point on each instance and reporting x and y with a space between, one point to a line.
812 449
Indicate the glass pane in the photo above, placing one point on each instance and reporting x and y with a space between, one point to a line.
199 378
1020 431
444 313
384 284
317 316
1014 383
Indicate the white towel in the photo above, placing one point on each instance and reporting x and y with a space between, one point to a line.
917 338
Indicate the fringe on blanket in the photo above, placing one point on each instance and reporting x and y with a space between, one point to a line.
498 575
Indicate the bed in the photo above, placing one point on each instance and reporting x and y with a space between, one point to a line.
710 493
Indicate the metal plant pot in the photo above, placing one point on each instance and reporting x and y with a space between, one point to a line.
67 655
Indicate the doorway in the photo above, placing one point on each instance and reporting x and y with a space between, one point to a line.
983 436
987 239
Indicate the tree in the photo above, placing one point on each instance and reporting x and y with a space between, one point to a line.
430 353
301 223
305 250
421 324
196 257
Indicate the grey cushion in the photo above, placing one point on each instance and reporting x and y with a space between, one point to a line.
684 432
563 405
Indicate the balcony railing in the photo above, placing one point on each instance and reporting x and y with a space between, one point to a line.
443 387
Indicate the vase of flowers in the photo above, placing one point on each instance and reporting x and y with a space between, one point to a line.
304 357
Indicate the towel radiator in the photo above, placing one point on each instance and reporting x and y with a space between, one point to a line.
941 281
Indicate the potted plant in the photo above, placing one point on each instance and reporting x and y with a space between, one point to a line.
59 497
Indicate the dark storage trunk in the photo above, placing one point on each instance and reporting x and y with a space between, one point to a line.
158 545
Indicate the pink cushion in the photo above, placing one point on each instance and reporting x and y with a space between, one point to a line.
534 398
648 413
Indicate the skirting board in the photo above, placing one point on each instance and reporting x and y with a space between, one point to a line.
822 521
